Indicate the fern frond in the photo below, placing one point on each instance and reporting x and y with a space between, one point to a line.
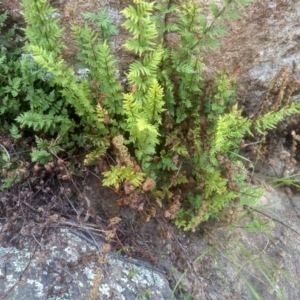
100 61
230 130
117 175
75 93
42 26
103 22
271 119
139 23
38 121
153 105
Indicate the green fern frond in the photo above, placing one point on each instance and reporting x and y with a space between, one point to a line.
94 156
42 26
271 119
76 93
153 105
103 22
117 175
139 23
98 58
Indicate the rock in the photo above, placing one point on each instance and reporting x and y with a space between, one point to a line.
69 267
265 39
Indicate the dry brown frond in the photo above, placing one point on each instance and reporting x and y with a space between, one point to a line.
96 284
173 210
279 92
105 248
148 185
114 221
122 151
128 188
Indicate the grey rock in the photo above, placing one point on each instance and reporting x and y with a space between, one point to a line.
66 267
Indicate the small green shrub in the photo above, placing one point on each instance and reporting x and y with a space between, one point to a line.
168 130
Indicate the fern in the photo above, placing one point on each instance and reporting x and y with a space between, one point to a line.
153 105
103 22
118 174
167 125
271 119
230 130
142 73
103 74
38 122
144 106
42 26
45 150
75 93
139 23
